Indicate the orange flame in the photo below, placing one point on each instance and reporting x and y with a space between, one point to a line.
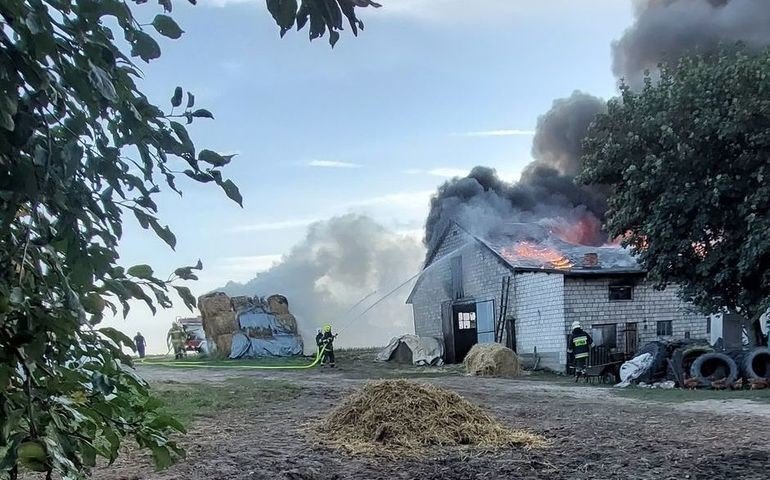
542 254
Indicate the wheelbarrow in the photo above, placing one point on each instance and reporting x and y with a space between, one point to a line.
604 373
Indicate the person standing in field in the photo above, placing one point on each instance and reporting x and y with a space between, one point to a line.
580 345
140 344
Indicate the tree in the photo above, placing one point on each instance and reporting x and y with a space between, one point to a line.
80 147
688 159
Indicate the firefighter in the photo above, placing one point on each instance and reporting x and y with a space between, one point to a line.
325 340
177 336
140 344
580 346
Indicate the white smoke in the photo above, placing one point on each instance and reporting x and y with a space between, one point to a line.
341 261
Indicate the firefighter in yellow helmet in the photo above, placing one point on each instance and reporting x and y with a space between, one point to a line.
325 341
178 337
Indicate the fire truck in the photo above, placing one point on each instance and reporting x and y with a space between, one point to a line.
196 338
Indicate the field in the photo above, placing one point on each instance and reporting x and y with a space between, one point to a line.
253 424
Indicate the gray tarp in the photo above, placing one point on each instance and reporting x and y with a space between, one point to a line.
263 335
424 350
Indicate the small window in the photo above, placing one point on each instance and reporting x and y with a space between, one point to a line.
708 325
665 328
621 292
466 320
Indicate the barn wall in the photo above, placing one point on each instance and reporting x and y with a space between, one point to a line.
587 301
539 312
482 273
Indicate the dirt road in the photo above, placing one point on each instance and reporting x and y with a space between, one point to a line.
592 432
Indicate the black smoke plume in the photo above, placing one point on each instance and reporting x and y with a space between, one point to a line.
665 30
546 191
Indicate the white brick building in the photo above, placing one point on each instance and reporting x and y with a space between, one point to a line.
458 298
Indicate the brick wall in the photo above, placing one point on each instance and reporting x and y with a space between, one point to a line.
539 313
587 301
482 280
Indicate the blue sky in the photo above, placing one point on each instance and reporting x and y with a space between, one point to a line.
429 90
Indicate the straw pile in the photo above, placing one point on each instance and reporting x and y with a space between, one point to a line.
397 417
492 359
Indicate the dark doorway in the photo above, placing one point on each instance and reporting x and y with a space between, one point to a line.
465 329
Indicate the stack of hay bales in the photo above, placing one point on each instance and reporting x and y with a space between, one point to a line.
218 320
492 359
279 306
397 417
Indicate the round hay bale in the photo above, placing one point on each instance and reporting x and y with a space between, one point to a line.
492 359
213 303
217 314
398 417
278 304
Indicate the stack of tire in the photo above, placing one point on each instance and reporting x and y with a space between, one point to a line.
697 364
754 364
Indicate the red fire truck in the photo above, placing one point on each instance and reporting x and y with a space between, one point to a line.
196 338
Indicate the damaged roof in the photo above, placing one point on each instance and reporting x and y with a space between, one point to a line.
531 247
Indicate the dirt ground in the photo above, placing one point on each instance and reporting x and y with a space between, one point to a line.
593 433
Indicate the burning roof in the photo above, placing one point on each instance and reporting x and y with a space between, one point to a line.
535 246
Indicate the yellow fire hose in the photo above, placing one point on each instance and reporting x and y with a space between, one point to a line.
183 364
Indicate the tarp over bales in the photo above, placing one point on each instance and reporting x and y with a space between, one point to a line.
250 327
413 349
263 335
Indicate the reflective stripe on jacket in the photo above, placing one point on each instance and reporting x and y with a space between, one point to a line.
580 343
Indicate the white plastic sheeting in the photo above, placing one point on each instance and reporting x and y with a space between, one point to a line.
634 368
426 351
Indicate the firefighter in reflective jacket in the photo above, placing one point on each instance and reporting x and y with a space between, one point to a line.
326 339
177 337
580 345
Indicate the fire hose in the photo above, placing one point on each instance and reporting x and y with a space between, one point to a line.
318 358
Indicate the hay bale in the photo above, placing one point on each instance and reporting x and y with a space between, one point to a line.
288 321
278 304
224 343
492 359
403 418
217 314
241 303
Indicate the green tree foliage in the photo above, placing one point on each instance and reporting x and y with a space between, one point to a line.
80 147
688 159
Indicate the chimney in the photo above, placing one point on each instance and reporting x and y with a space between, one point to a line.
591 260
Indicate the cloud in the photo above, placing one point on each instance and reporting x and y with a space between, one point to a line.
332 164
269 226
393 199
404 205
252 264
443 172
500 133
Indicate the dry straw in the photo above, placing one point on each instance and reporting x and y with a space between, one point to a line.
492 359
397 417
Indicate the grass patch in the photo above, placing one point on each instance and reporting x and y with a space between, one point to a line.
226 362
682 396
188 401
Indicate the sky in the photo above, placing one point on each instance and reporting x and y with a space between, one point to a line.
430 89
